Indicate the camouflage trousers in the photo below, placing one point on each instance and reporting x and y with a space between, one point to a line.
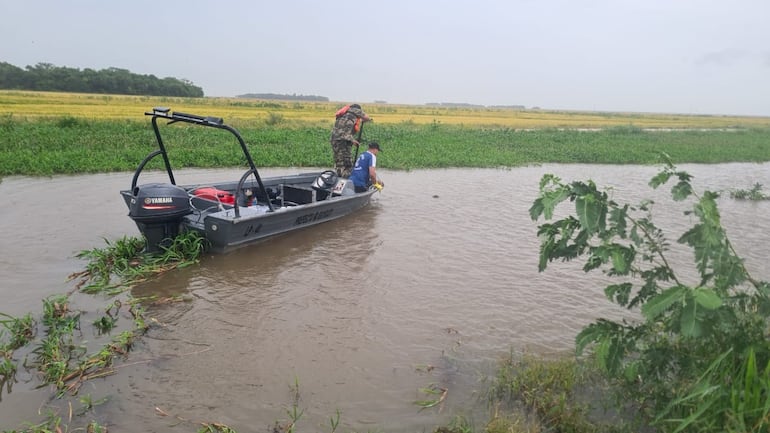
343 162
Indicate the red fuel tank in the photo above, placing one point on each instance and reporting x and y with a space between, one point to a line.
215 194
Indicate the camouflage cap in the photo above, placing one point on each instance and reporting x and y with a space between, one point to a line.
357 111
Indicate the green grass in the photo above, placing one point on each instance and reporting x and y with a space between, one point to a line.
69 145
561 394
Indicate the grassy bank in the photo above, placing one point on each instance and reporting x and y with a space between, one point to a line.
44 133
70 145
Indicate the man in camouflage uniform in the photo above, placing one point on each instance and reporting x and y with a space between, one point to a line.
349 121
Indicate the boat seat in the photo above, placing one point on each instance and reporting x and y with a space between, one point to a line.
297 194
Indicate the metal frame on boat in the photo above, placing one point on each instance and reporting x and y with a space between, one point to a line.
233 213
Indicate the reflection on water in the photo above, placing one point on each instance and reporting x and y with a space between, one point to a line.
440 271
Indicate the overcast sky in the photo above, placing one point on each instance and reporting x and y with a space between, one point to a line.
666 56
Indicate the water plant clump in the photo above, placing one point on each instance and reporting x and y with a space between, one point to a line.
54 423
755 193
698 360
61 357
562 393
15 332
63 360
60 354
124 263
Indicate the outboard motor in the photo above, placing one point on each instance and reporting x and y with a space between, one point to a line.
157 209
324 183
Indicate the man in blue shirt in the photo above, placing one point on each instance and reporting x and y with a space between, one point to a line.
365 171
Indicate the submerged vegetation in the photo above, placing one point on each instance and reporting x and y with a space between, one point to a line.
54 346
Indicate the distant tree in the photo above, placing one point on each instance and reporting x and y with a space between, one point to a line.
45 76
10 76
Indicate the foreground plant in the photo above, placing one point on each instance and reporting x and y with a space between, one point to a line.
55 424
693 334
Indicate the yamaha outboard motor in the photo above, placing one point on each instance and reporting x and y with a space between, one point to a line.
157 209
324 183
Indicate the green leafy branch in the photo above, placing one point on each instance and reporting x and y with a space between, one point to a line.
684 327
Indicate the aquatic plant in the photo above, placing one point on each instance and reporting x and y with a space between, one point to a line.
294 411
435 396
7 375
215 428
62 359
59 355
54 423
755 193
124 263
537 393
105 323
20 331
334 421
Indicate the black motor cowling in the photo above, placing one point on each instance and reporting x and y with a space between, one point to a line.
157 209
159 202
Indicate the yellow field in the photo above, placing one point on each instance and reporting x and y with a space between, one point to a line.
32 105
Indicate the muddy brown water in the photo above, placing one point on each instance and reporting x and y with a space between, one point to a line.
431 284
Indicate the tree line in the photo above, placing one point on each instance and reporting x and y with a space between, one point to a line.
48 77
284 97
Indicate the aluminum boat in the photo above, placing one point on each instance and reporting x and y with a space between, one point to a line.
236 212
